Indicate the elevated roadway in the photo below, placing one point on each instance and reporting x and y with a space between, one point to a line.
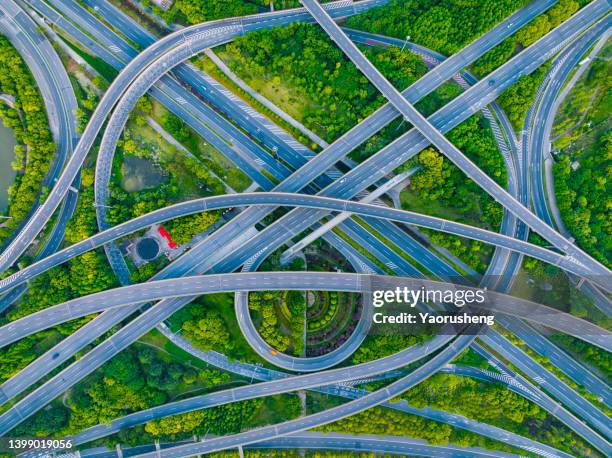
286 229
255 372
144 38
389 445
275 199
251 23
149 319
327 416
453 153
538 128
292 362
261 281
508 27
324 417
286 226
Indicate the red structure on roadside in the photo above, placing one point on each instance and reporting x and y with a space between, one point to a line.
164 233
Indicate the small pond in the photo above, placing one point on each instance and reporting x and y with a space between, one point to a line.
139 174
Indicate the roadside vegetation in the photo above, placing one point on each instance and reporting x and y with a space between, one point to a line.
150 173
445 26
396 423
299 68
210 323
90 272
583 165
527 35
440 189
138 378
518 98
594 356
35 148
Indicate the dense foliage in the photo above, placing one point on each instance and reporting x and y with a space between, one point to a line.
300 69
207 331
582 134
583 197
374 347
396 423
486 402
296 305
439 180
196 11
447 26
442 25
265 304
517 99
30 125
230 418
126 383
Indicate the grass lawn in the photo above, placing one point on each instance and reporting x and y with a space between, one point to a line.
411 201
275 90
584 114
105 69
169 351
277 409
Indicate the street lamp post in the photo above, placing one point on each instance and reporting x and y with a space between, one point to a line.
405 43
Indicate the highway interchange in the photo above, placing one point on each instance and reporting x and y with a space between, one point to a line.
264 245
236 244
